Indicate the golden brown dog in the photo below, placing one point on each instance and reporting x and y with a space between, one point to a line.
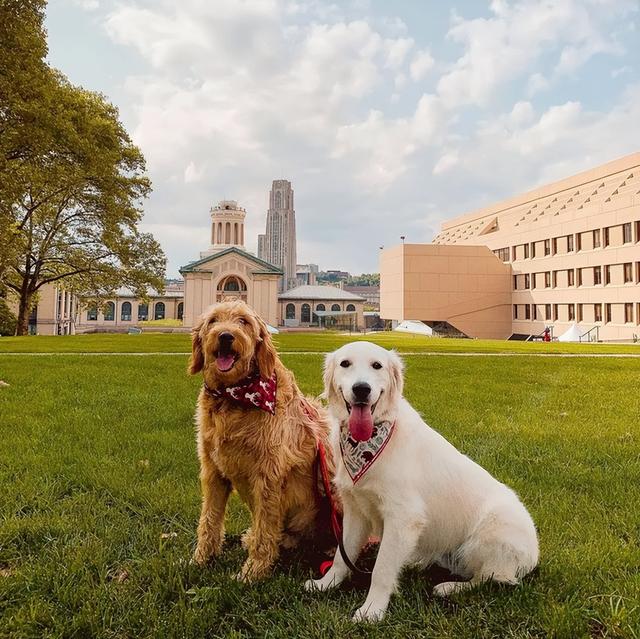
268 458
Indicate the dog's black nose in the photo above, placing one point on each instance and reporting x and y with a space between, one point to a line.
361 391
226 338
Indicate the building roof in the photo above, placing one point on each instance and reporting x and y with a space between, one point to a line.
127 292
605 186
307 292
265 266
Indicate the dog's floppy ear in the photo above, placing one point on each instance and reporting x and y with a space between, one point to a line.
396 372
329 392
266 354
196 361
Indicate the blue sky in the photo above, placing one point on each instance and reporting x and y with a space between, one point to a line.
387 117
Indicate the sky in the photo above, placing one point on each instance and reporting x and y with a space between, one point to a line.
387 117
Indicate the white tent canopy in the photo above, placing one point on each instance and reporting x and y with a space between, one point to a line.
572 334
414 326
272 329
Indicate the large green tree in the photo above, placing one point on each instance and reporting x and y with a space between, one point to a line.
71 180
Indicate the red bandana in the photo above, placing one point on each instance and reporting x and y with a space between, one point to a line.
253 391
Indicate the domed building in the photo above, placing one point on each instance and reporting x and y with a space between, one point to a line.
227 271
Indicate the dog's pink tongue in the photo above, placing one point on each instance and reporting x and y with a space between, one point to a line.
224 362
361 422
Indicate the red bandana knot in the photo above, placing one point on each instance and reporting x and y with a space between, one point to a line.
253 391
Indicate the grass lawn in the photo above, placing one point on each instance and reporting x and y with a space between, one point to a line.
295 342
99 497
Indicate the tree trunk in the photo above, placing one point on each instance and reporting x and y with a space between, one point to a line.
24 309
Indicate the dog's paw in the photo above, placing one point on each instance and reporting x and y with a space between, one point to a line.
246 539
201 557
368 614
449 588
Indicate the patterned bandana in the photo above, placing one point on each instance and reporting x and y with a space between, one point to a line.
253 391
359 456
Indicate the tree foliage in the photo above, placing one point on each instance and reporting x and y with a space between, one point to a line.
71 180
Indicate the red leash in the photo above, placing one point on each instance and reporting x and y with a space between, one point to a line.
335 518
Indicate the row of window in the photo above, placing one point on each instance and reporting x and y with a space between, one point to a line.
125 312
575 312
568 277
597 238
305 310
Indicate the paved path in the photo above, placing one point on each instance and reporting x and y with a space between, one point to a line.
407 354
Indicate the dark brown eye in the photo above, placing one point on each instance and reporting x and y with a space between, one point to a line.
345 363
241 320
377 365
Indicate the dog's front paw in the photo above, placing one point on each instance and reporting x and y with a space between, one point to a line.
317 585
202 556
368 614
247 539
450 588
253 571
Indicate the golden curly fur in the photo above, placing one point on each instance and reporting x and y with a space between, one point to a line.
268 459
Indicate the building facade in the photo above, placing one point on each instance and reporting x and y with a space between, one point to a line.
565 253
227 271
277 245
322 306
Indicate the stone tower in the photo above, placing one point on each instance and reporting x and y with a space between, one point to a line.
278 245
227 227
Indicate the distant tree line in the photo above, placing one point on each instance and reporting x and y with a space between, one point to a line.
366 279
71 180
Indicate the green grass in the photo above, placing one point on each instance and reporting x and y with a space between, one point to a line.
295 342
99 500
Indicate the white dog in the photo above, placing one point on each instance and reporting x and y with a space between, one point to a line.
401 480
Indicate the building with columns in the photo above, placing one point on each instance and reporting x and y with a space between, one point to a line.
278 244
227 271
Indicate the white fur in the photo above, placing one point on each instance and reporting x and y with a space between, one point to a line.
428 502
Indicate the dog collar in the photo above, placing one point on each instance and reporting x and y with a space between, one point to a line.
253 391
357 456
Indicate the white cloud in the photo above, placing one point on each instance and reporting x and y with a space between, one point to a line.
87 5
537 83
507 44
422 62
236 94
447 162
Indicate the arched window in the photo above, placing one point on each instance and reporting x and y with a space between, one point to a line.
143 312
351 307
92 313
125 312
321 307
290 311
159 314
232 284
305 313
335 307
180 310
109 312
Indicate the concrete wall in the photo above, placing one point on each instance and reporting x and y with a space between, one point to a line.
466 286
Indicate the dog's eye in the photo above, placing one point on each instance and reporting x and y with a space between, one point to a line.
241 320
345 363
377 365
212 320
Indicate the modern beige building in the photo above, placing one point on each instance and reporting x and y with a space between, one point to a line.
565 253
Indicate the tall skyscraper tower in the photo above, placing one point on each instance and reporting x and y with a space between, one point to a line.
278 245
